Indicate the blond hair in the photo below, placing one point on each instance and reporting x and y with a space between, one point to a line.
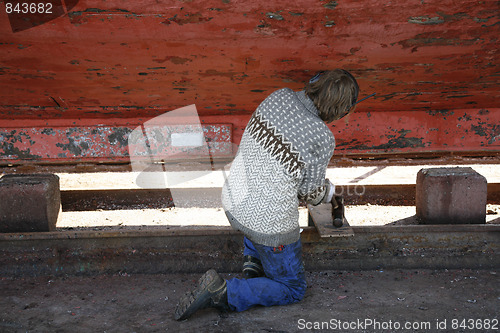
334 93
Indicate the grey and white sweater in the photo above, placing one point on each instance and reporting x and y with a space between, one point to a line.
283 156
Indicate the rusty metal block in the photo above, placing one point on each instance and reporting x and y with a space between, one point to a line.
29 202
451 196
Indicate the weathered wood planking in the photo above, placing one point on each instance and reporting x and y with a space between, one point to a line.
416 55
432 63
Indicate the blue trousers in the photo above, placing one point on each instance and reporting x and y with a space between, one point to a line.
284 282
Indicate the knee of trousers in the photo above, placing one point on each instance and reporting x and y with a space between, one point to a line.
297 288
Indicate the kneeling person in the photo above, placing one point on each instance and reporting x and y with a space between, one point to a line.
283 156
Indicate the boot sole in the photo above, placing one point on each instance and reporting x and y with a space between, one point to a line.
199 298
252 268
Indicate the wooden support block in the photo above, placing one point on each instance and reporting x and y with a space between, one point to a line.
321 216
29 202
451 196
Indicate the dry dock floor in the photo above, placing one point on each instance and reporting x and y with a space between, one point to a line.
335 301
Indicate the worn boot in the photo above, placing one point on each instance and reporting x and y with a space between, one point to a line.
252 268
210 292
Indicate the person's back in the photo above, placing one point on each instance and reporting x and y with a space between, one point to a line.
284 148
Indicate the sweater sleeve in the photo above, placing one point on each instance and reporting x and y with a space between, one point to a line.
314 188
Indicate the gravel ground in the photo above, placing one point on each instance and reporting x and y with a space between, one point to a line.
423 299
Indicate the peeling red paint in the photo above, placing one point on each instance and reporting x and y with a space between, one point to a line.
133 60
101 143
359 133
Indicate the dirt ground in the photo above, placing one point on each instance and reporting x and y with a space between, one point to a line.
336 301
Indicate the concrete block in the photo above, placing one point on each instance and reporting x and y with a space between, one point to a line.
29 202
451 196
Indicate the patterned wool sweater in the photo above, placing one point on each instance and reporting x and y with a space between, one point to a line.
283 156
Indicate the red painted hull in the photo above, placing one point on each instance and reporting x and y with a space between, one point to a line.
112 65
